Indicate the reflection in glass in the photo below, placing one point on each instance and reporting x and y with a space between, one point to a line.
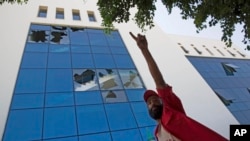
84 80
59 48
130 79
38 36
114 96
109 79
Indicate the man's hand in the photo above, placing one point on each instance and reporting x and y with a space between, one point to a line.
140 40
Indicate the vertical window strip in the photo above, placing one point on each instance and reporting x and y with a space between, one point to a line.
91 16
199 52
219 51
243 55
76 15
209 51
59 13
42 12
185 50
231 53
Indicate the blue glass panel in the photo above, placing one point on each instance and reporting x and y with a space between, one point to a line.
34 60
91 119
104 61
59 48
96 137
88 97
40 27
148 133
59 80
140 111
33 47
59 60
118 50
30 81
24 125
120 120
97 39
100 49
135 95
79 37
82 60
59 99
59 122
85 79
123 61
114 40
22 101
126 135
80 49
92 30
64 139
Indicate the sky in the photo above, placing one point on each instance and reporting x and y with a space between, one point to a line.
174 24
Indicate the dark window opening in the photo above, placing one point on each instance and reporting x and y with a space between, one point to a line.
76 15
59 13
42 12
91 16
225 101
230 69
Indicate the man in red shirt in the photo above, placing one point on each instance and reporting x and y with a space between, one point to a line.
166 108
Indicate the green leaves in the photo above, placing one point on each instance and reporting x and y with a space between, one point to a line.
119 11
206 13
13 1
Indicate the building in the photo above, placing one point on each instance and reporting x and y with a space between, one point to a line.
48 93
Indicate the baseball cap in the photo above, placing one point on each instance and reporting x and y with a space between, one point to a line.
149 93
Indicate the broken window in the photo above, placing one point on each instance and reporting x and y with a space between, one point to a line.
59 35
109 79
38 36
230 69
84 79
130 79
114 96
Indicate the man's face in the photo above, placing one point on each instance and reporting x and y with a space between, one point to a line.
155 107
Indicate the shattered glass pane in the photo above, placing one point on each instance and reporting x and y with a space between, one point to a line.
130 79
109 79
114 96
84 79
38 36
59 35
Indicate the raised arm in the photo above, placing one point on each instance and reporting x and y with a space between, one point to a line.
153 68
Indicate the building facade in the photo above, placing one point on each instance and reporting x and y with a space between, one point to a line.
65 79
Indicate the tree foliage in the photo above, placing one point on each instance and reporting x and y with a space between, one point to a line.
13 1
206 13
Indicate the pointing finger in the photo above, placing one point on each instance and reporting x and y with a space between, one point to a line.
132 35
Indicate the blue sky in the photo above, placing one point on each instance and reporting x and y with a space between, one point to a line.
174 24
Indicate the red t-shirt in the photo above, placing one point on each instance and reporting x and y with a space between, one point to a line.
175 120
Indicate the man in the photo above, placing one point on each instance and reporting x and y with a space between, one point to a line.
166 108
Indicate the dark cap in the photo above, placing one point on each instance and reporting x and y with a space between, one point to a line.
149 93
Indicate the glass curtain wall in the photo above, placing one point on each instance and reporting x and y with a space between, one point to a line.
230 80
77 84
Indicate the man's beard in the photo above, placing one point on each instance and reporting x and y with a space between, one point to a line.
156 111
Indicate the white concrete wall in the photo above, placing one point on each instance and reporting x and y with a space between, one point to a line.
199 100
